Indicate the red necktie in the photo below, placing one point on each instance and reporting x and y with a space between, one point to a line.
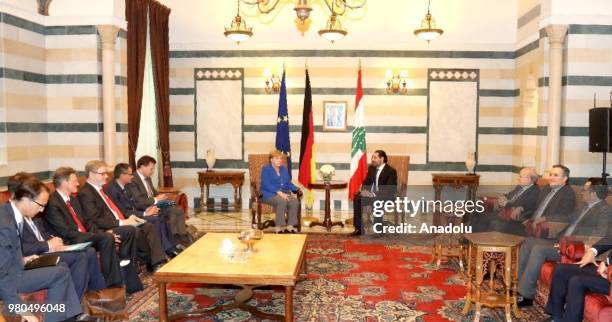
112 205
75 218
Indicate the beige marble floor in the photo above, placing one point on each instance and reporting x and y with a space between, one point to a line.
237 221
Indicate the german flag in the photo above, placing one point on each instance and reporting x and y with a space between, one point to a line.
308 167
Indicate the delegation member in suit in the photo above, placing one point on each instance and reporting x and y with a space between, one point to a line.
145 195
518 202
65 216
380 184
555 201
593 219
277 189
115 189
571 282
29 198
83 264
105 214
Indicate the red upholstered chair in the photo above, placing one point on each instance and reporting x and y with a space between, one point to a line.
598 307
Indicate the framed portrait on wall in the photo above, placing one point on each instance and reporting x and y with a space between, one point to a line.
334 116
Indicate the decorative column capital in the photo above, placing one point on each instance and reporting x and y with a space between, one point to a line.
108 35
556 34
43 7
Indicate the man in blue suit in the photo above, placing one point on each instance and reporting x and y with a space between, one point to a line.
36 240
29 198
571 282
115 189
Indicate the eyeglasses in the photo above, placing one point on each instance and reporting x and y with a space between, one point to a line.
100 173
42 206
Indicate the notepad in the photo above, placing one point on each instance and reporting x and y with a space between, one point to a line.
73 248
42 261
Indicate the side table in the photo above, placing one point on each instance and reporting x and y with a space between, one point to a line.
235 178
328 186
489 252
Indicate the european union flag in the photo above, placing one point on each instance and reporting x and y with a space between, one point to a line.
282 125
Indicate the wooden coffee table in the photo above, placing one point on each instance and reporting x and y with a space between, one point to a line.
277 261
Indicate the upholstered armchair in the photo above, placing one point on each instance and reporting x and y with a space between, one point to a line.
401 164
257 207
598 307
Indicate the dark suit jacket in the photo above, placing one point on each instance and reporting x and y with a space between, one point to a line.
527 199
95 208
560 206
596 222
30 245
58 218
387 181
11 260
604 245
138 191
124 200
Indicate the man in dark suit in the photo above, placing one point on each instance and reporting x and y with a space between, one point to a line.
29 198
84 266
145 195
555 202
571 282
593 219
380 184
66 217
105 214
115 189
511 207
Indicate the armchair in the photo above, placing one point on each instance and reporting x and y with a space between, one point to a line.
598 307
401 164
257 207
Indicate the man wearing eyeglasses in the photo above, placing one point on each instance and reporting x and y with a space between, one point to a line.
101 212
66 217
116 190
513 207
591 220
36 239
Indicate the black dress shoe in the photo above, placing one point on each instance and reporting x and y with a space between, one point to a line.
525 302
172 253
355 233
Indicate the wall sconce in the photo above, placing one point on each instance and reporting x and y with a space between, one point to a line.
273 82
397 84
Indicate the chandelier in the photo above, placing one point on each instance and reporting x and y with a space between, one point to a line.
238 30
428 30
332 31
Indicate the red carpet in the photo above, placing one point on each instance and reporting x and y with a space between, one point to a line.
348 280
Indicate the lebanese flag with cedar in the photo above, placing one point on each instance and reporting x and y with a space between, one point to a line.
359 165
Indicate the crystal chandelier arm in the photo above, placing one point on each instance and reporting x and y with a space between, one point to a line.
263 6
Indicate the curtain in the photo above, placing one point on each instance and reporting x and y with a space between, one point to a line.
159 14
136 16
148 136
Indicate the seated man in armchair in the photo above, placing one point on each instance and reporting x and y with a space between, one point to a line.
380 183
593 219
513 207
571 282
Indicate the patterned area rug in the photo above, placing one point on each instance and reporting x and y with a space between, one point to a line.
348 280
